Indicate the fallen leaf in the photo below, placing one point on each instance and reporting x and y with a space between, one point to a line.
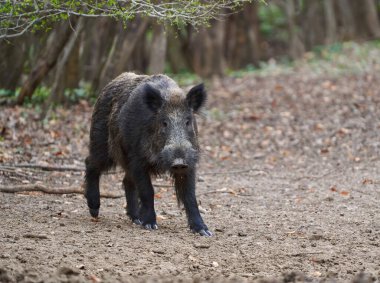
333 189
367 181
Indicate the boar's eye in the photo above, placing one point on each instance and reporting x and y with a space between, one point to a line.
165 124
188 122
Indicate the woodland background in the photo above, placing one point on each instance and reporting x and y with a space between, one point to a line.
289 175
76 58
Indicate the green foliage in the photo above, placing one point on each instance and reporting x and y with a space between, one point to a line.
84 92
272 21
6 93
39 96
17 17
42 93
242 72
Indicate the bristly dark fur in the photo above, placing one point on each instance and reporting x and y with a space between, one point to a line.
146 125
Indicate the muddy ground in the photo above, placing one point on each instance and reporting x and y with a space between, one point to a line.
288 182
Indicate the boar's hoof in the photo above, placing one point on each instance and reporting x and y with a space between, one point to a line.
94 212
137 221
151 226
203 232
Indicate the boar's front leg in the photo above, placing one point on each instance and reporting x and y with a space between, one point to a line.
147 214
132 199
185 187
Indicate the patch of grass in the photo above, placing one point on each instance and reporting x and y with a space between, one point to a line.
334 59
6 93
39 96
186 78
84 92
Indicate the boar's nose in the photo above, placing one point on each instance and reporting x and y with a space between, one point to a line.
179 165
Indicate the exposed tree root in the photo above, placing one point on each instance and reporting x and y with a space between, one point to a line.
82 169
45 167
47 190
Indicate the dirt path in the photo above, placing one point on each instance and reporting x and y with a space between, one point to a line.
289 182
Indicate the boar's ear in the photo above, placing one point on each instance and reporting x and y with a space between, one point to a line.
196 97
152 97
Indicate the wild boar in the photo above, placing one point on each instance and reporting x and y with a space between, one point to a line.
146 125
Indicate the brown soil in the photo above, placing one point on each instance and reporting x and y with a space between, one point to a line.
289 184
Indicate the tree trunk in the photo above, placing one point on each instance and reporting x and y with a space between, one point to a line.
121 51
251 20
218 63
372 18
175 50
195 49
328 6
296 47
98 38
157 56
46 61
58 87
242 38
207 50
73 68
313 24
348 23
12 58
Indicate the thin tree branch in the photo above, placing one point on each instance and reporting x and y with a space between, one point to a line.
190 12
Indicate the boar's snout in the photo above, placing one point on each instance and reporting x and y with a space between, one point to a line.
179 165
178 159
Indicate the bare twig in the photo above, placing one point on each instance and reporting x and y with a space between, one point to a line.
222 191
48 190
305 253
35 236
162 186
233 172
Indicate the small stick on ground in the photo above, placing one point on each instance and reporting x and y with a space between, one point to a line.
233 172
305 253
47 190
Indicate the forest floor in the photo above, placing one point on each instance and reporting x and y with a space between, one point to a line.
289 182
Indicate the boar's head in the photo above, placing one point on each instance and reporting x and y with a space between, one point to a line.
174 131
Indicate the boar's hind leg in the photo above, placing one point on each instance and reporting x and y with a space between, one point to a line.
185 189
132 199
92 188
93 172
